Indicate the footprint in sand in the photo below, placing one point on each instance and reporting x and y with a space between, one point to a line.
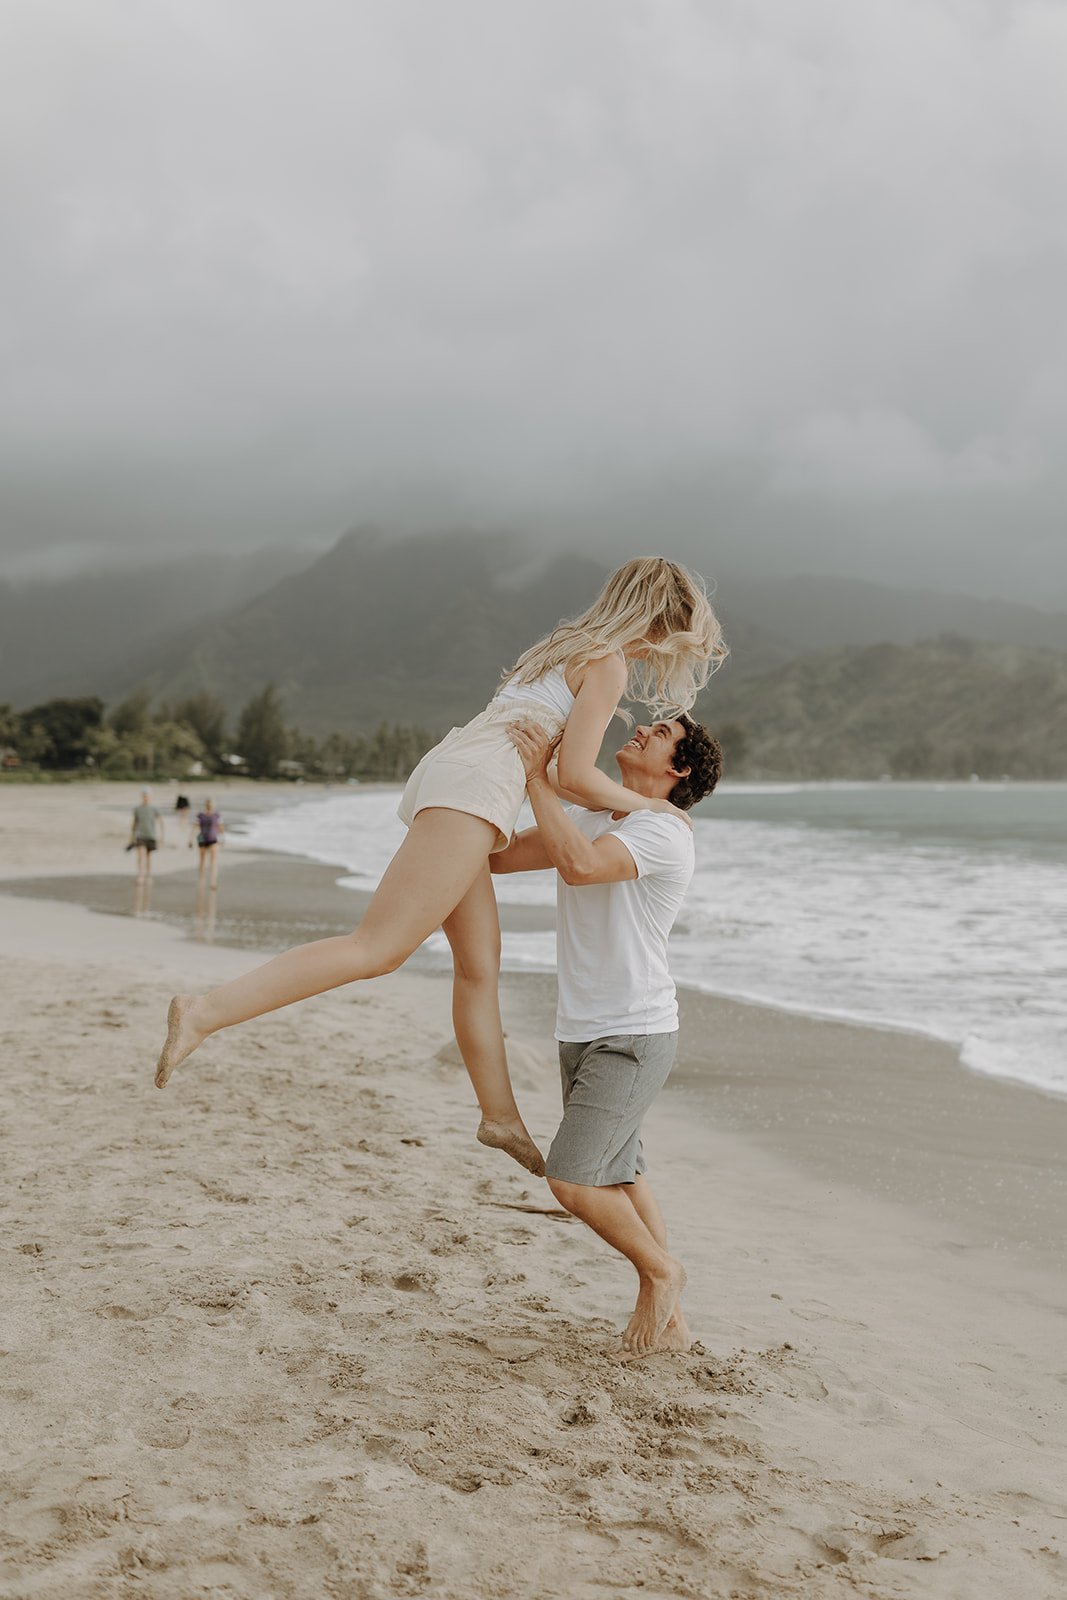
346 1372
513 1348
819 1311
135 1306
454 1243
218 1191
312 1304
164 1433
585 1410
535 1302
862 1537
416 1278
212 1294
413 1570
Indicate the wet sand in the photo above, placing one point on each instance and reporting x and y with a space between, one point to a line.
886 1112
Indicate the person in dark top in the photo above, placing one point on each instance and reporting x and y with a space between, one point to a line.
210 830
185 815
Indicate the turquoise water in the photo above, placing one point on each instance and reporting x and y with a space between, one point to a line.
935 907
1023 818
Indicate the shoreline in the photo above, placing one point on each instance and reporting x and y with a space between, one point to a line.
888 1112
331 909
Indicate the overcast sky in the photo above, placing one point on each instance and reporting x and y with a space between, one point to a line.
778 283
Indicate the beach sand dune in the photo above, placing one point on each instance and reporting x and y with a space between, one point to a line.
286 1329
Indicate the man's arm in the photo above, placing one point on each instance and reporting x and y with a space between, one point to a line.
578 860
525 853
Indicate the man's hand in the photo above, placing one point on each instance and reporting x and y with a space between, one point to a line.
534 746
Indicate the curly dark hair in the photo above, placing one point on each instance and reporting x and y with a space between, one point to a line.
702 754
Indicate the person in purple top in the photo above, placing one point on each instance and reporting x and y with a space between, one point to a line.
210 830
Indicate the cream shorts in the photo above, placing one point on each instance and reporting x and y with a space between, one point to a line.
477 769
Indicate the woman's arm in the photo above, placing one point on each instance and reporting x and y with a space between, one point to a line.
580 779
565 795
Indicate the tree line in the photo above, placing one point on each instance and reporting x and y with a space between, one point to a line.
135 740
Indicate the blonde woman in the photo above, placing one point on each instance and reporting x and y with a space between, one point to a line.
651 636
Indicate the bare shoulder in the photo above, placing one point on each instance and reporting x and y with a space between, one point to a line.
603 673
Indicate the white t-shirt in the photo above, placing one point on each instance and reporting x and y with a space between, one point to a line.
611 938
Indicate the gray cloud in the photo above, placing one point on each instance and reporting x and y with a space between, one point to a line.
777 280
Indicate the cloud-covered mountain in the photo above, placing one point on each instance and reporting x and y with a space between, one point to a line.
418 630
944 709
67 636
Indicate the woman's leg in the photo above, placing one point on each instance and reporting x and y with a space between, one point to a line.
473 931
426 879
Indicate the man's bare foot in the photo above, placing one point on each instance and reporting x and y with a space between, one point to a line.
657 1302
512 1138
675 1339
182 1037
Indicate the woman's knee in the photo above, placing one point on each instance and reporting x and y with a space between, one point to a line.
374 960
481 970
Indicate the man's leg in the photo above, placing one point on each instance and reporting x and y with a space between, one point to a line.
676 1335
611 1214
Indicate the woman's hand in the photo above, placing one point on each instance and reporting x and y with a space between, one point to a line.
534 746
664 807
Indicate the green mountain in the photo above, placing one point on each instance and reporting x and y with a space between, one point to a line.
418 631
825 613
415 630
947 708
376 629
65 636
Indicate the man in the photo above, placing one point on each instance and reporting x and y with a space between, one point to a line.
622 878
146 831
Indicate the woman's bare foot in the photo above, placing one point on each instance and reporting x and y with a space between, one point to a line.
182 1037
512 1138
657 1302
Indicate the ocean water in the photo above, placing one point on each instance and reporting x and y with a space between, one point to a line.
940 908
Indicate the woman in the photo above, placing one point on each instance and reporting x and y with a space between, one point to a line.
650 635
210 828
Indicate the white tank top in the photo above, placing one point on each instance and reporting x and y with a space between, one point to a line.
550 691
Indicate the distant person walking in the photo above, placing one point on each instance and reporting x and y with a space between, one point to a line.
210 829
651 636
184 814
146 832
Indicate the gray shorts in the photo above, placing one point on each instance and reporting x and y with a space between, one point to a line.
608 1085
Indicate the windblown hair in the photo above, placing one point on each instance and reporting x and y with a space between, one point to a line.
648 598
702 754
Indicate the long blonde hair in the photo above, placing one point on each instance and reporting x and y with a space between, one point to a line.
650 599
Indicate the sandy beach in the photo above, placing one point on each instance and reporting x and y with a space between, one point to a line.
285 1329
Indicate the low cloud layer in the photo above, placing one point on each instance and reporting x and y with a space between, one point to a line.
779 282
